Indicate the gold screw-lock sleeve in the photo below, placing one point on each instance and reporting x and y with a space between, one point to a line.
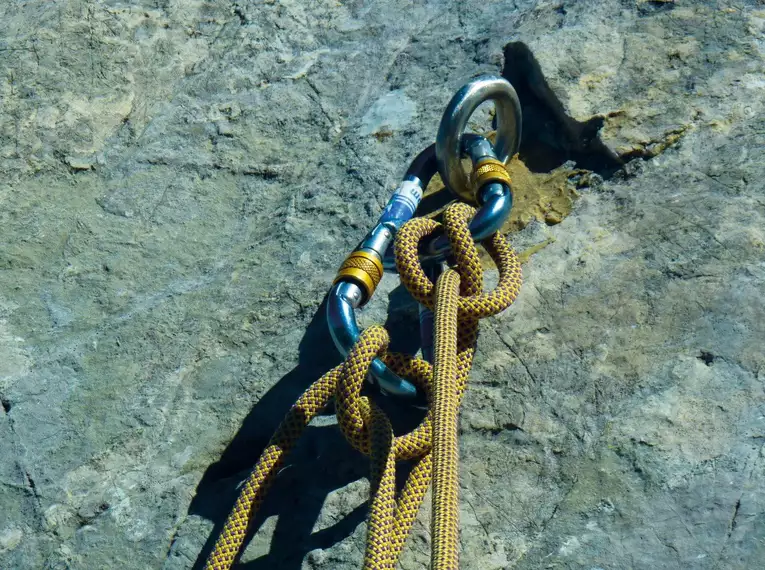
363 268
489 170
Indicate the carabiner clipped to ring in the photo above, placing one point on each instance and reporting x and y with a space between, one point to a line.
362 270
489 189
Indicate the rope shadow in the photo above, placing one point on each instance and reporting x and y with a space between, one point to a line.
322 461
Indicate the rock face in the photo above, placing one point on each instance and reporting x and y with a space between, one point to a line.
180 181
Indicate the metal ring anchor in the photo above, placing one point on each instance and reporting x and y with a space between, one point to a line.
495 201
449 144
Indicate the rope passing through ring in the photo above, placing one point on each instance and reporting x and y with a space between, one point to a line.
459 303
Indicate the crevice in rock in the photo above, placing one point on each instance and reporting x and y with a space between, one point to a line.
6 403
655 146
651 7
546 522
497 430
706 357
550 138
31 484
733 520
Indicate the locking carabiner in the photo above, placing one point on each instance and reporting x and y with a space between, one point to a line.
493 197
362 270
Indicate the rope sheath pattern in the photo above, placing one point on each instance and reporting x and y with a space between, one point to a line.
445 425
365 425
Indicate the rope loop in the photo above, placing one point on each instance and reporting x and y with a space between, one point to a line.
355 412
473 302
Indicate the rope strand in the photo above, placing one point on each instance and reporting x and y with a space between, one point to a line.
444 547
458 304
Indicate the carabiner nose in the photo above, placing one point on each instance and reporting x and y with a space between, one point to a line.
449 141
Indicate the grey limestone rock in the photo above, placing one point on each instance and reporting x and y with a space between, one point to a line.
180 180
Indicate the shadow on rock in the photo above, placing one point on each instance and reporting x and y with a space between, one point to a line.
321 462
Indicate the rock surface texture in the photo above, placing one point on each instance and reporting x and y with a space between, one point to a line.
179 181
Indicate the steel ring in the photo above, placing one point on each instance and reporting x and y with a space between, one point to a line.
455 118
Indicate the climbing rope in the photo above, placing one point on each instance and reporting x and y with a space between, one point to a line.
459 302
456 302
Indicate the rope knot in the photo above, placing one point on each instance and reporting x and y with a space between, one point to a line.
356 413
473 302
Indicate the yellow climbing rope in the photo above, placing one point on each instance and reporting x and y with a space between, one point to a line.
445 410
458 302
